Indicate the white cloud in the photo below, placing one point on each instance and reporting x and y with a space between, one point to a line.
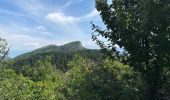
61 18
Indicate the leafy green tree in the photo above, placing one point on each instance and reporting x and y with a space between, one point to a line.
74 79
13 86
111 80
108 80
30 87
141 28
41 70
43 91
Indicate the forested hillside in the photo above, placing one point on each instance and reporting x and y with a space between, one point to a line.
59 56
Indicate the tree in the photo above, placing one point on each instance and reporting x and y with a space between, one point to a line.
3 49
13 86
112 80
141 28
107 80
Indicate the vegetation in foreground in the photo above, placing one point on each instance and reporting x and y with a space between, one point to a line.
85 80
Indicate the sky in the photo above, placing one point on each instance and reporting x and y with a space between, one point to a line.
30 24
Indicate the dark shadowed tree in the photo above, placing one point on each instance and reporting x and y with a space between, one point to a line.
141 28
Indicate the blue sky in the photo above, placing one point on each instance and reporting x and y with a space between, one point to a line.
31 24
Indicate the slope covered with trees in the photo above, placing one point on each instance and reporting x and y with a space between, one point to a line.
59 55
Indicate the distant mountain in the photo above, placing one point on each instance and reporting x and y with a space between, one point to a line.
60 55
72 46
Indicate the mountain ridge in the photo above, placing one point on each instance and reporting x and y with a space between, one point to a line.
59 55
71 46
